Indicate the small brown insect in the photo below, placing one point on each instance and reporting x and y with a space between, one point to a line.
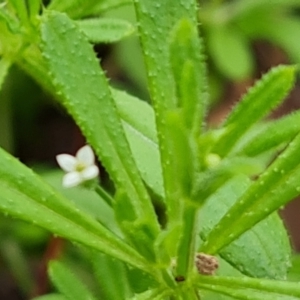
179 278
206 264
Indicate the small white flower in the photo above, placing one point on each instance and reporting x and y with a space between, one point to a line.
79 168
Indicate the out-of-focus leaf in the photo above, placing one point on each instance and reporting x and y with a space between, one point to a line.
4 66
105 30
17 262
67 282
284 35
21 10
112 277
155 294
33 8
230 51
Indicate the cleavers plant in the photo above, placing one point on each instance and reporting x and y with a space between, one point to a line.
220 188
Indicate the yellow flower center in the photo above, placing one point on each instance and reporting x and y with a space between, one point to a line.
80 166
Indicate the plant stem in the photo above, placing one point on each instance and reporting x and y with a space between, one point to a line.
104 195
186 249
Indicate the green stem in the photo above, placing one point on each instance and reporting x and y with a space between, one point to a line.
186 249
104 195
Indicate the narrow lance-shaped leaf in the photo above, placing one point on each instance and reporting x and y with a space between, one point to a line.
190 83
230 51
139 124
157 21
84 91
273 134
273 189
81 8
67 282
26 196
33 8
256 104
242 8
105 30
138 120
188 69
258 289
112 277
21 10
268 240
155 294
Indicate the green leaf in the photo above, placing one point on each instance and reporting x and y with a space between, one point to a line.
97 117
189 74
50 297
294 272
157 22
105 30
4 67
155 294
214 177
270 249
230 52
273 189
87 200
273 134
242 8
81 8
184 128
256 104
67 282
111 276
139 124
16 261
284 35
26 196
33 8
21 10
242 287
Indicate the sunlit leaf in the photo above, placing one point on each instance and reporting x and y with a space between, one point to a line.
105 30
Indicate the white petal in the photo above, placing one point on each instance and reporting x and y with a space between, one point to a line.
90 172
86 155
66 162
71 179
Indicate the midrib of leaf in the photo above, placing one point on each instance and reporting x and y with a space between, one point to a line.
140 132
148 132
